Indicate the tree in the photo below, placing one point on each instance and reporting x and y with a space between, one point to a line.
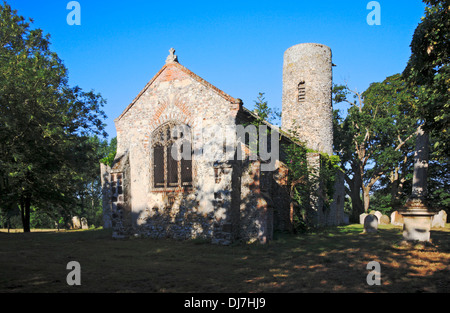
345 149
439 184
89 188
109 150
429 69
45 125
376 136
262 111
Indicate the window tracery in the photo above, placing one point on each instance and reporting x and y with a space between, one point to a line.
168 172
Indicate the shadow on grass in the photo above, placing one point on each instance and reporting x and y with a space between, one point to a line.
335 260
330 260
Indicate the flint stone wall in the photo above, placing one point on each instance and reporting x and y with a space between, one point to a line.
312 118
222 205
229 199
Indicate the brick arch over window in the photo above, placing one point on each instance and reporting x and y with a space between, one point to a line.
169 173
163 114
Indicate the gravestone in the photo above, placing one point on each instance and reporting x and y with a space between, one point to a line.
439 219
84 223
76 223
346 219
396 219
371 224
362 217
378 214
384 220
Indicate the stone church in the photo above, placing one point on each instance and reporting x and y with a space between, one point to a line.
184 168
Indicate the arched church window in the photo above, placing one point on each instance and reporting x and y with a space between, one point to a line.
168 171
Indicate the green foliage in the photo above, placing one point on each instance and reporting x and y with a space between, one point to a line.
439 184
302 178
46 150
388 107
330 165
376 137
429 69
380 200
110 152
263 112
299 184
39 219
376 142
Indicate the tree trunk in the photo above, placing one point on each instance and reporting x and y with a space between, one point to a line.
357 205
354 192
25 205
366 197
395 183
397 180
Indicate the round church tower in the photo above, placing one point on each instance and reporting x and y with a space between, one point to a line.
307 84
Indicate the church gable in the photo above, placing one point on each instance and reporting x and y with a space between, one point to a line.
175 75
174 94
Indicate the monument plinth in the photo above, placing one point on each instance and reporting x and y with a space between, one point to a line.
416 220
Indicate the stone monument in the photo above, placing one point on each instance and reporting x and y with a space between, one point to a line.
416 213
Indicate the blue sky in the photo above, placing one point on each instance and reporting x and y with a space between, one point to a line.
237 46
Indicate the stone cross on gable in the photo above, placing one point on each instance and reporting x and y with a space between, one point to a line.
172 57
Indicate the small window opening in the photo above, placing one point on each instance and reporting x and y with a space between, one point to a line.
301 92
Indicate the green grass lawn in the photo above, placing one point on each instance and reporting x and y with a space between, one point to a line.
331 260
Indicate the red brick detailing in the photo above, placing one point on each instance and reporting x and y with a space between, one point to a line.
172 73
